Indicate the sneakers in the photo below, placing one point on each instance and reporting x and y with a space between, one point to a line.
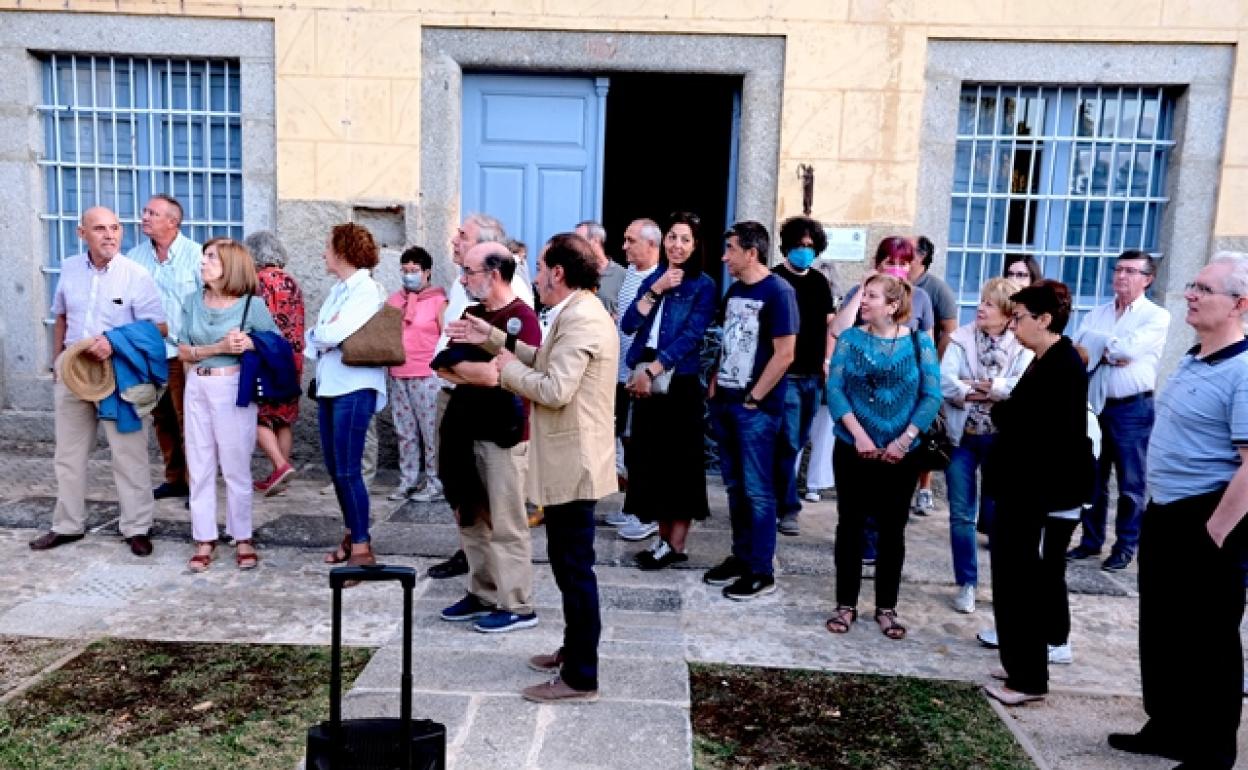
467 608
1117 561
547 663
988 638
502 621
617 519
726 572
558 691
964 602
749 587
276 482
788 525
637 529
1082 552
328 489
659 555
1061 654
923 502
452 567
171 489
812 496
401 493
429 493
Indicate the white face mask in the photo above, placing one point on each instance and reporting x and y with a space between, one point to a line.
413 281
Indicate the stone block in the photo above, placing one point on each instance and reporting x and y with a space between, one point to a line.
296 169
826 57
627 9
1198 13
617 735
451 711
1231 217
295 42
366 114
501 733
812 123
312 108
405 111
810 10
1114 14
1235 145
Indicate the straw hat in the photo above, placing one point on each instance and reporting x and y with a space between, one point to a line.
86 378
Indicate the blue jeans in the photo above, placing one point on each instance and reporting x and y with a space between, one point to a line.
1125 428
747 460
968 456
801 399
344 422
570 547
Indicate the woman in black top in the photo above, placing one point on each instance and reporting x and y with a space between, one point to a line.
1042 434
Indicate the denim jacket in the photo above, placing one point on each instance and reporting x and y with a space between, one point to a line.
688 310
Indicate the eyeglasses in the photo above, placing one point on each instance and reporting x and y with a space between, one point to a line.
1130 271
1023 274
1017 318
1205 290
469 272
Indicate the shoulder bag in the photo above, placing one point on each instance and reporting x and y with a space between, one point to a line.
935 448
379 342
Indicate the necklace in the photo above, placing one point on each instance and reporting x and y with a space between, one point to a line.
876 365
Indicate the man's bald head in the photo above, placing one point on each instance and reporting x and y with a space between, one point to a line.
491 256
101 231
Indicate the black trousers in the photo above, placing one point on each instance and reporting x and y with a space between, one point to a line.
1191 605
570 546
1055 603
1023 600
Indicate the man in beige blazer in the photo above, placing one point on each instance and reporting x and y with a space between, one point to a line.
570 381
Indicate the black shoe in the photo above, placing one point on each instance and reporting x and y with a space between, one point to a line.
1082 552
1117 561
452 567
1144 743
727 571
170 489
50 540
658 557
140 545
750 587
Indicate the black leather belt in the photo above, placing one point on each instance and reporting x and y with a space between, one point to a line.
1128 399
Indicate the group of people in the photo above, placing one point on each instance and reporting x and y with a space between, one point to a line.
547 391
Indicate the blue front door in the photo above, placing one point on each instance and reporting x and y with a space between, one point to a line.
532 152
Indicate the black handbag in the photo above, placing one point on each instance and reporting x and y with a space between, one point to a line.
935 448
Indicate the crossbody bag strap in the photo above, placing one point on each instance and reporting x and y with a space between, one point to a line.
242 324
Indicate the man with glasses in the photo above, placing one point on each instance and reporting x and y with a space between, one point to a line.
173 261
1193 545
483 451
1124 339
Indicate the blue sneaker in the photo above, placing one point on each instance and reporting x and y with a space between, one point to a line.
467 608
502 621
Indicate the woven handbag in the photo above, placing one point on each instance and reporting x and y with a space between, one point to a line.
379 342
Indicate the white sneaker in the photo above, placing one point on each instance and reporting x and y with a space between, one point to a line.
813 496
401 493
988 638
429 493
618 519
923 501
1061 654
637 529
964 602
328 489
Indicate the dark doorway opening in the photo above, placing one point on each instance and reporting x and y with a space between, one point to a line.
669 148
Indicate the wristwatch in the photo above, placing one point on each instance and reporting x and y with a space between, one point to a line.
750 402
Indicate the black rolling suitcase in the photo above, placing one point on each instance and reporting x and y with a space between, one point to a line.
375 744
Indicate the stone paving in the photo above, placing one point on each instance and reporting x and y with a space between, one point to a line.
654 623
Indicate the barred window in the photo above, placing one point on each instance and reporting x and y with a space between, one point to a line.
1071 175
118 129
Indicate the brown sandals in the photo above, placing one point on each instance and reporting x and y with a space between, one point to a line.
200 562
341 554
841 620
889 625
246 560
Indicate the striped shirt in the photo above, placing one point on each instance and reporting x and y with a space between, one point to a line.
176 277
628 293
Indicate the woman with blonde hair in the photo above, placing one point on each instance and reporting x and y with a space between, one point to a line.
883 390
981 365
219 433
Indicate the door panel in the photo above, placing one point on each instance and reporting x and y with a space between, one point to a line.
531 150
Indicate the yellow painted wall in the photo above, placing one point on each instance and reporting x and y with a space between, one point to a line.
348 79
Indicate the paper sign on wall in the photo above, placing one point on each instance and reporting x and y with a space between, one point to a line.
846 244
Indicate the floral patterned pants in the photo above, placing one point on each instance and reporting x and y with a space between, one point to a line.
414 403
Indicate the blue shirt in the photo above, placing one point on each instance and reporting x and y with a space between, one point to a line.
876 378
1200 425
176 278
753 316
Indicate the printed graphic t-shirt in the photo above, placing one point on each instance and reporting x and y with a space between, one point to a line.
753 315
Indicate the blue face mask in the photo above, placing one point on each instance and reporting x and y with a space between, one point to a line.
802 257
413 281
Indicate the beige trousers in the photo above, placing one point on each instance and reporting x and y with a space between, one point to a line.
497 544
76 422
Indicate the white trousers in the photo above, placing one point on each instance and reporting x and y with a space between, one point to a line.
218 434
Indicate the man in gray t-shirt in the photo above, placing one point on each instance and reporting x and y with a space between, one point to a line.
944 303
1192 540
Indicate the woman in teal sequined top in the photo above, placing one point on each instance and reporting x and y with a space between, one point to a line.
880 397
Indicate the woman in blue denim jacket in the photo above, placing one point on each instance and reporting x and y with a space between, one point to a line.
666 478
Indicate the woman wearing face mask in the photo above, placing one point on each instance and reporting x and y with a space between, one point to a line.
667 480
413 385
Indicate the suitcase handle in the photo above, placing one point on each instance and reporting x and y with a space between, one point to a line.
338 576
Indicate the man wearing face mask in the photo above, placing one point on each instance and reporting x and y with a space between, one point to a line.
801 240
413 385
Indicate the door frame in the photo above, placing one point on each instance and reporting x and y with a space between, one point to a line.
447 52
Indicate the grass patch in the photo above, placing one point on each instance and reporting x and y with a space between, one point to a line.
167 706
797 720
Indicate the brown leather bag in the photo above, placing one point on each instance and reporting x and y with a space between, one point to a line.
379 342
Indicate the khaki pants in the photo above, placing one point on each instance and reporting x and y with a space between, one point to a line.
497 544
76 422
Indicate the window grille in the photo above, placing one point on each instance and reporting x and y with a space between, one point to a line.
117 129
1071 175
